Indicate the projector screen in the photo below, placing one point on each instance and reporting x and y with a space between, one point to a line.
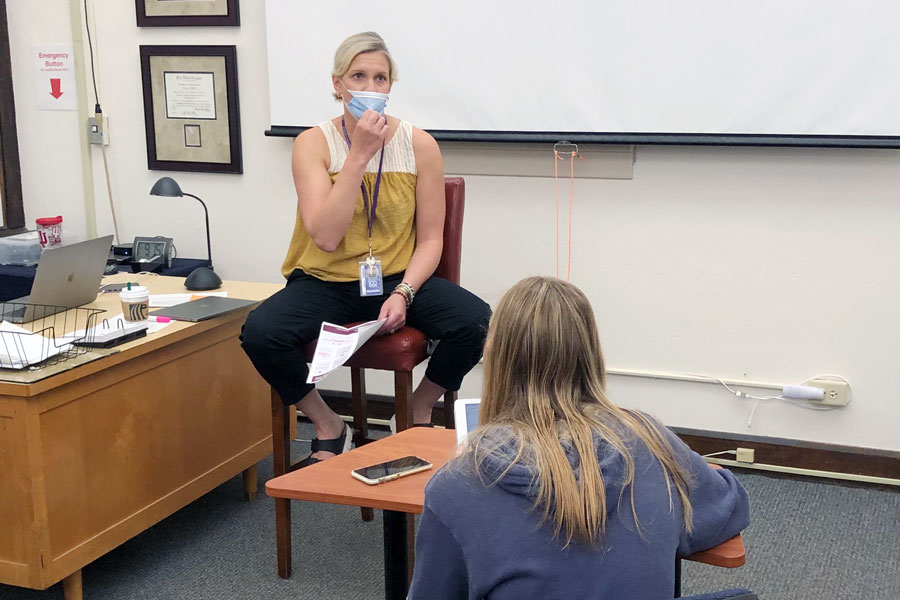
763 72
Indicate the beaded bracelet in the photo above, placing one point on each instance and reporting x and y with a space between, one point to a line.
403 295
407 291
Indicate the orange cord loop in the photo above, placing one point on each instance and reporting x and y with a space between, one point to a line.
556 157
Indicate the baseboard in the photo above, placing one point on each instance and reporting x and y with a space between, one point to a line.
827 458
832 458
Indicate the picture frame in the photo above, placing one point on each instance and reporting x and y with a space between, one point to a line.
191 108
178 13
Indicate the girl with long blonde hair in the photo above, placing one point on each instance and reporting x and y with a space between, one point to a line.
559 493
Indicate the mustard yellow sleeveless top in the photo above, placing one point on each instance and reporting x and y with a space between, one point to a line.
394 233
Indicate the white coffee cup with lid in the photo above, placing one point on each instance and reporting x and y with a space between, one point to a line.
135 302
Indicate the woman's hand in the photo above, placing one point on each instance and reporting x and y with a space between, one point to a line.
369 136
394 310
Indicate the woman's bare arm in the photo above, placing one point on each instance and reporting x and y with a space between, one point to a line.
327 208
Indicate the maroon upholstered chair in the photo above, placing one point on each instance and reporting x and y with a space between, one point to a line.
399 352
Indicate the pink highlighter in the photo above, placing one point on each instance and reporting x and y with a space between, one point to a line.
160 319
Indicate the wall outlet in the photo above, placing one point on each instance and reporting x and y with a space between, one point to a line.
95 134
837 391
745 455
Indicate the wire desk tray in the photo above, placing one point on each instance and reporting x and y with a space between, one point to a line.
39 335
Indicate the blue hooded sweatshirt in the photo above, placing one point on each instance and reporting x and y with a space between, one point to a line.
485 541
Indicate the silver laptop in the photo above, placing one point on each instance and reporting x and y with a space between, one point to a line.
465 415
66 277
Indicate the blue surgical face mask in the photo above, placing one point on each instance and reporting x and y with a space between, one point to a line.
363 101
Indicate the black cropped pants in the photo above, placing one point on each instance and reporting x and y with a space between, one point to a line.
276 331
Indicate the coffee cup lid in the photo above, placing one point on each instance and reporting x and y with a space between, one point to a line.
136 291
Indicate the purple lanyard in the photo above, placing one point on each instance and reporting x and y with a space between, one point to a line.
370 214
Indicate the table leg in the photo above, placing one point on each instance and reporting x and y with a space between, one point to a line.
283 536
396 555
251 482
72 586
677 578
281 456
410 547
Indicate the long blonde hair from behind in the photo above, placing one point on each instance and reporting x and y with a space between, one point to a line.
545 385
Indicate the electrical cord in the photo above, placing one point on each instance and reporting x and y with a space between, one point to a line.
711 454
796 402
98 114
87 26
738 393
112 208
752 412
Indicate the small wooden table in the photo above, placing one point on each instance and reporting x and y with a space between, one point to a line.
329 481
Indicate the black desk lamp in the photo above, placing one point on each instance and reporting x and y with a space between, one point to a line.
201 278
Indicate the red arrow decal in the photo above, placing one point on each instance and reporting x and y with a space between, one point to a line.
54 88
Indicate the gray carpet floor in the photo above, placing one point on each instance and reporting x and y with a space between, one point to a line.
809 539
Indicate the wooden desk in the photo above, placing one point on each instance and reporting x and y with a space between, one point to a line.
330 481
92 456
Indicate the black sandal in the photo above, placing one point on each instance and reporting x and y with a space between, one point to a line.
336 445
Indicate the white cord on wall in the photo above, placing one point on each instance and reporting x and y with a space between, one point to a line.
112 206
804 402
711 454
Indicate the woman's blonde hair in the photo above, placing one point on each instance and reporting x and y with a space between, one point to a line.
544 387
367 41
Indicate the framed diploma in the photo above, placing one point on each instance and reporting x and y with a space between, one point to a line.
191 112
171 13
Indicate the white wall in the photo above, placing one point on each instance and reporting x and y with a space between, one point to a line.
48 140
758 264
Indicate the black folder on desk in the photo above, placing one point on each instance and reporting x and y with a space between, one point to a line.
202 309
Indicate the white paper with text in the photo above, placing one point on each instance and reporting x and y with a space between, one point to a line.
337 344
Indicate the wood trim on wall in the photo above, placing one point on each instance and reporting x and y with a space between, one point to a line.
10 175
768 450
832 458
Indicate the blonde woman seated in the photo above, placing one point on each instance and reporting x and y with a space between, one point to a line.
560 493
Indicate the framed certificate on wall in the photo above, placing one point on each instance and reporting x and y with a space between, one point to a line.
172 13
191 112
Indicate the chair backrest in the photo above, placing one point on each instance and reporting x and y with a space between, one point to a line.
455 193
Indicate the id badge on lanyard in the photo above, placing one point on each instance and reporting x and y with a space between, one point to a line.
370 280
370 277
